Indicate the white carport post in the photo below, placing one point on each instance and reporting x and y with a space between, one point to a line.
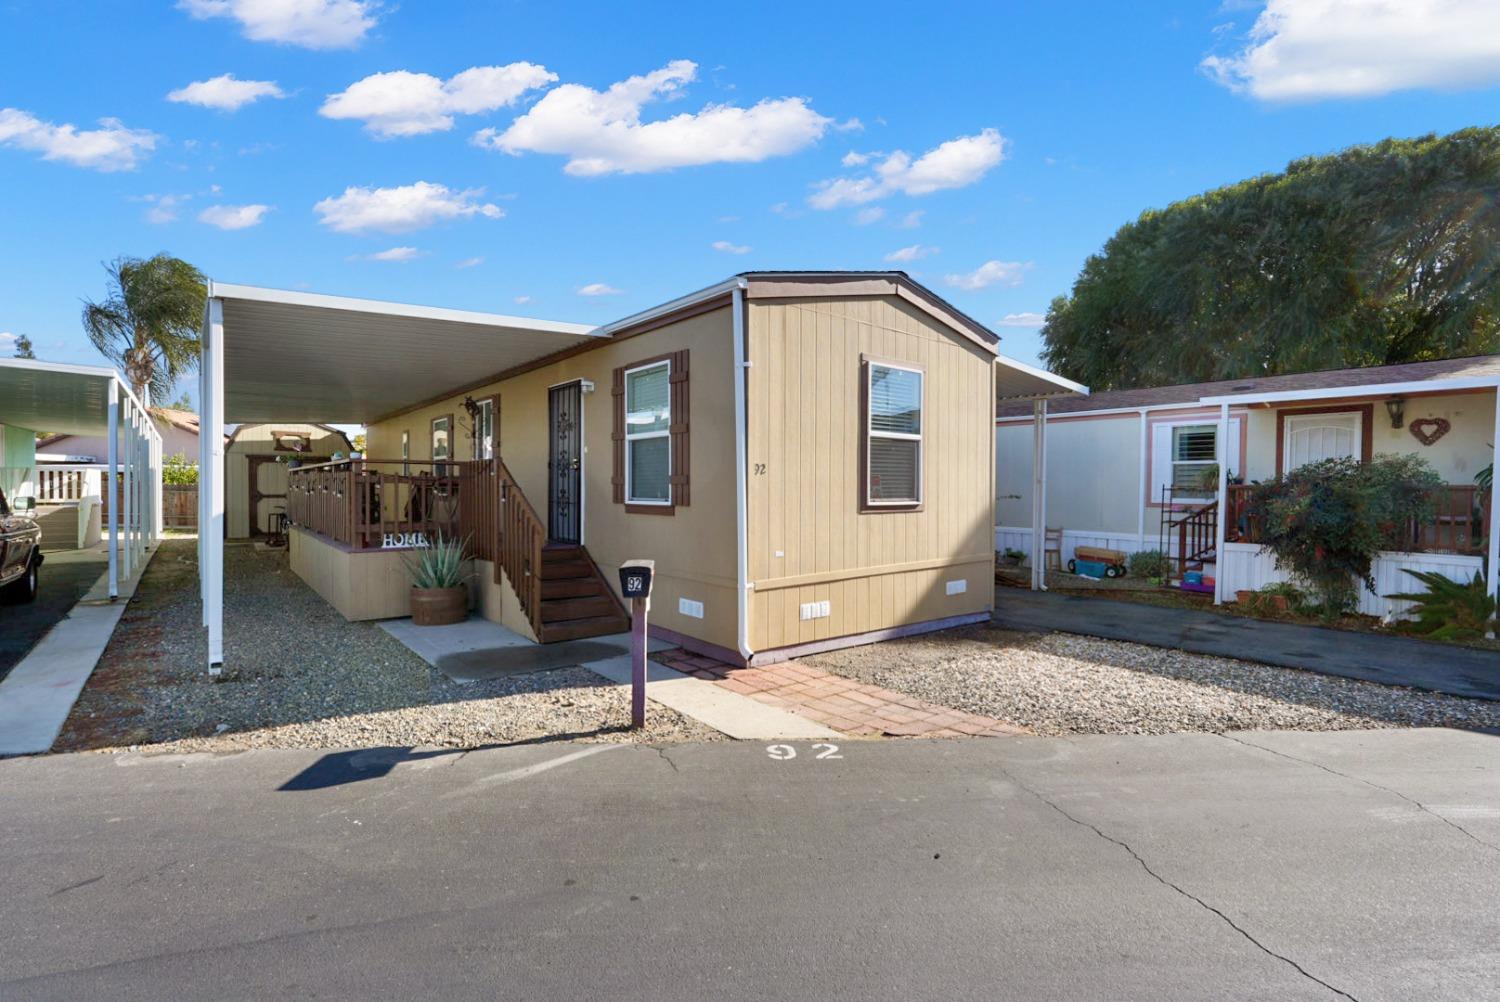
211 483
1039 494
1492 577
110 496
1221 454
127 522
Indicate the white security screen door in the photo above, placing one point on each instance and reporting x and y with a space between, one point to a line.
1314 437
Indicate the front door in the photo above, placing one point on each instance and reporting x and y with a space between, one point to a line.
565 464
1314 437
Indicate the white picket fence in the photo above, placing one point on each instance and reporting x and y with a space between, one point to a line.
1246 568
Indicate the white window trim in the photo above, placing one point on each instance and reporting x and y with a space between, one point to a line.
666 433
871 433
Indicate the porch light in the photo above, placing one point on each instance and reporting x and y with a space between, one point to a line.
1396 408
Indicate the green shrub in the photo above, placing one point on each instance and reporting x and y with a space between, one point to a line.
1149 564
1326 521
1448 610
177 470
1011 553
439 564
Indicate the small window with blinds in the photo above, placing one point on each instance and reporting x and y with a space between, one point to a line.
648 426
893 435
1194 458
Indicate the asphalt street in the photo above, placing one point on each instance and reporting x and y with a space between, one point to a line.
1359 865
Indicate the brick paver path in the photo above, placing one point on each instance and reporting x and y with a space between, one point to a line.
835 701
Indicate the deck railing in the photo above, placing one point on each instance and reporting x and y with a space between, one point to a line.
1456 525
371 504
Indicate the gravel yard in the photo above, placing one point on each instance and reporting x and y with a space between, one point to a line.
1064 684
298 676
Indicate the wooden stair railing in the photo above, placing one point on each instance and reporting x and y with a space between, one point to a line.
522 536
1197 536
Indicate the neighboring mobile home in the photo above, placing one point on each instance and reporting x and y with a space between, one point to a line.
808 457
1138 469
178 430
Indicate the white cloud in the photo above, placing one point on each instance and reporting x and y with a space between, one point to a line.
396 255
470 262
599 289
856 159
7 341
402 103
110 147
1310 49
163 207
402 209
990 273
955 164
1023 320
225 93
234 217
522 300
728 248
601 132
850 124
911 220
869 214
312 24
915 252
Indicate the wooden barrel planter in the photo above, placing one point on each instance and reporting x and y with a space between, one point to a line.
439 606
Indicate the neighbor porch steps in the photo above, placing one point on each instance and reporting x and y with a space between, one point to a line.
577 601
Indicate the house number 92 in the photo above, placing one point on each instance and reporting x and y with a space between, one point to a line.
785 753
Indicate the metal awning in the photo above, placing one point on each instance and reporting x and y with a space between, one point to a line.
55 397
297 356
1015 380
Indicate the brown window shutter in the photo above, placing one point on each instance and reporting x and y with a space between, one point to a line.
617 436
681 490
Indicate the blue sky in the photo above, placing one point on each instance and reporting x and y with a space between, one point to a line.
1004 141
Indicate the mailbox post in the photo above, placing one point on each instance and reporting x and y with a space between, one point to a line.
635 584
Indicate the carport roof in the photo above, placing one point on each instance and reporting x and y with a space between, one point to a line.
56 396
297 356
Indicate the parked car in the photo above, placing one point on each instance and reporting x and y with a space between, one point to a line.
20 553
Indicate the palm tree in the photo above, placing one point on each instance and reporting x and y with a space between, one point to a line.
148 325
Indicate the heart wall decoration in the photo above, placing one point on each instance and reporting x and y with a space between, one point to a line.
1429 429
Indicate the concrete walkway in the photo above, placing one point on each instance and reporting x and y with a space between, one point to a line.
480 649
1421 664
39 693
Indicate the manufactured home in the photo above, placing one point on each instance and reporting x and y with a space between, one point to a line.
1154 468
808 457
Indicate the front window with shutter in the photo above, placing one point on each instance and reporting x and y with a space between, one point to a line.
893 435
648 423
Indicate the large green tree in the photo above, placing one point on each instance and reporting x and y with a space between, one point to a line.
1372 256
148 323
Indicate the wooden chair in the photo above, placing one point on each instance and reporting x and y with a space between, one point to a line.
1052 541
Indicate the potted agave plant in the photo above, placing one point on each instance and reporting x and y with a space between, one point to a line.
439 595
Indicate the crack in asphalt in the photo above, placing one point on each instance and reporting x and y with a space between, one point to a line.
662 754
1187 894
1359 779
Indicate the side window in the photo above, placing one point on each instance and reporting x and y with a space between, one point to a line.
893 423
442 434
648 423
405 453
484 432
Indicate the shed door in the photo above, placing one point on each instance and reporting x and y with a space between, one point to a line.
268 491
1314 437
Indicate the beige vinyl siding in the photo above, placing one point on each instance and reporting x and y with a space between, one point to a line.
694 548
809 540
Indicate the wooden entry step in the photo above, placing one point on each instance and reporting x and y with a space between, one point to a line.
577 601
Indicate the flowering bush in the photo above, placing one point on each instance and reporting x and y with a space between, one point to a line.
1326 521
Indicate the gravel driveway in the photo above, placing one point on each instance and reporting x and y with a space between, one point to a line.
1064 684
297 675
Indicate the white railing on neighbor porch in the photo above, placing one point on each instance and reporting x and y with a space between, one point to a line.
68 483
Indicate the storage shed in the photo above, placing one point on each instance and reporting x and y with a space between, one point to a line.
255 463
